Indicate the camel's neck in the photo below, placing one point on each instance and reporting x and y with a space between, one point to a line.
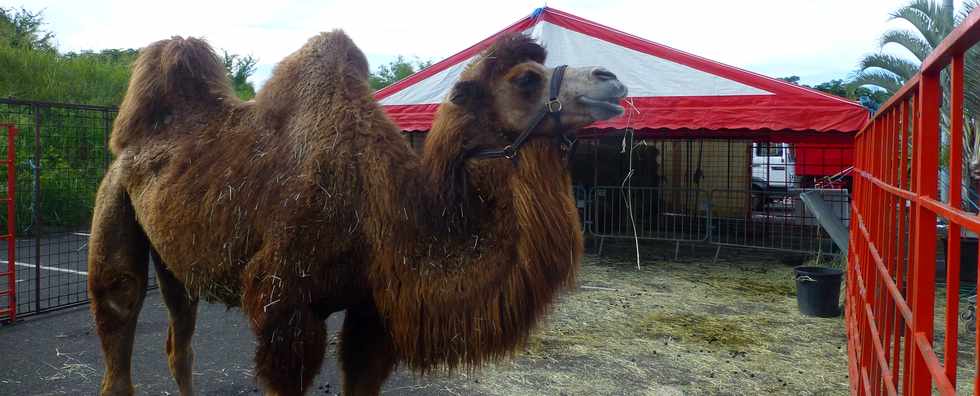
463 294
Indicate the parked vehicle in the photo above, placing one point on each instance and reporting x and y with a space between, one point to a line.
773 173
772 166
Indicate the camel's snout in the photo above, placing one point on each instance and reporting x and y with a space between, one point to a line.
600 93
602 74
615 87
608 81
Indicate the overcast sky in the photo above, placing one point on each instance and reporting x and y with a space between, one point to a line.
818 40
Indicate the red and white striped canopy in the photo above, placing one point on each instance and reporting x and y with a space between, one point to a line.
672 92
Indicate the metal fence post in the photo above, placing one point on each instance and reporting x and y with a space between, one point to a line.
36 207
106 126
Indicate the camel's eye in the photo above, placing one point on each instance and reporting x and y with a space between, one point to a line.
528 80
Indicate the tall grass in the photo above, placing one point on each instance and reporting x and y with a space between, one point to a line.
47 76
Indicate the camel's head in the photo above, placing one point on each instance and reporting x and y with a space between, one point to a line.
510 87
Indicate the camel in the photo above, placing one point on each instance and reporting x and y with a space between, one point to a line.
308 201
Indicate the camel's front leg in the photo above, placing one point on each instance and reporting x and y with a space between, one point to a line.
367 355
291 337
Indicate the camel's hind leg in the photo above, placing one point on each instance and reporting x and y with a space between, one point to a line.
367 355
183 315
117 261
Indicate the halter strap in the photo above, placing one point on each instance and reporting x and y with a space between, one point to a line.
553 107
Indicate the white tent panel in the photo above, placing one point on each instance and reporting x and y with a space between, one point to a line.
646 75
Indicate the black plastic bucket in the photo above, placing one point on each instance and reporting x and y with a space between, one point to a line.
818 291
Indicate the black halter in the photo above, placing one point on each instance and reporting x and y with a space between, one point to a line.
566 142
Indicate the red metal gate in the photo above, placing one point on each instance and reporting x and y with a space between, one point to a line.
891 288
10 273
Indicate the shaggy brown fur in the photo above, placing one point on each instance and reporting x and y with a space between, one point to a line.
308 201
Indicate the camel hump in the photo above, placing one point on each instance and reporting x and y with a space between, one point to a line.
309 79
168 77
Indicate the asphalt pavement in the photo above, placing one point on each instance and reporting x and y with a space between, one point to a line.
58 354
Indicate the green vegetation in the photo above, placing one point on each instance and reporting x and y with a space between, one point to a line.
395 71
22 29
881 74
844 89
87 78
239 69
35 70
930 22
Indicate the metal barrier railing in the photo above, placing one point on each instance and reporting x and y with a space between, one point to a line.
669 214
723 217
583 201
891 298
772 220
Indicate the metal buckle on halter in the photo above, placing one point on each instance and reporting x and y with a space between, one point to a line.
553 107
551 103
509 152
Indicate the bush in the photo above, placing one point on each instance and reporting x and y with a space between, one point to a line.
47 76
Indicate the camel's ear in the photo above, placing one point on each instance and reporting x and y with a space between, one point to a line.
468 93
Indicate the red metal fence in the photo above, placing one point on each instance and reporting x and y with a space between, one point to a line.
893 298
8 292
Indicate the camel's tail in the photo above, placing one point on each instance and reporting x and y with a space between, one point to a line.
169 76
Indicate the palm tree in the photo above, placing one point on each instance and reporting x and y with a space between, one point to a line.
931 23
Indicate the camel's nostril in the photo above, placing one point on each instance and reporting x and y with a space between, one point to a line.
603 74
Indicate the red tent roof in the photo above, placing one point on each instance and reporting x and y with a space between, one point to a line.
672 92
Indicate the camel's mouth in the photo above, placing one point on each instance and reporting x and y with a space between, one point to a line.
603 109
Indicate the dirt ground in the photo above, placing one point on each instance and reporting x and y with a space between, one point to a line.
966 340
686 327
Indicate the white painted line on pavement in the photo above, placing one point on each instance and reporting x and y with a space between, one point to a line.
70 271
